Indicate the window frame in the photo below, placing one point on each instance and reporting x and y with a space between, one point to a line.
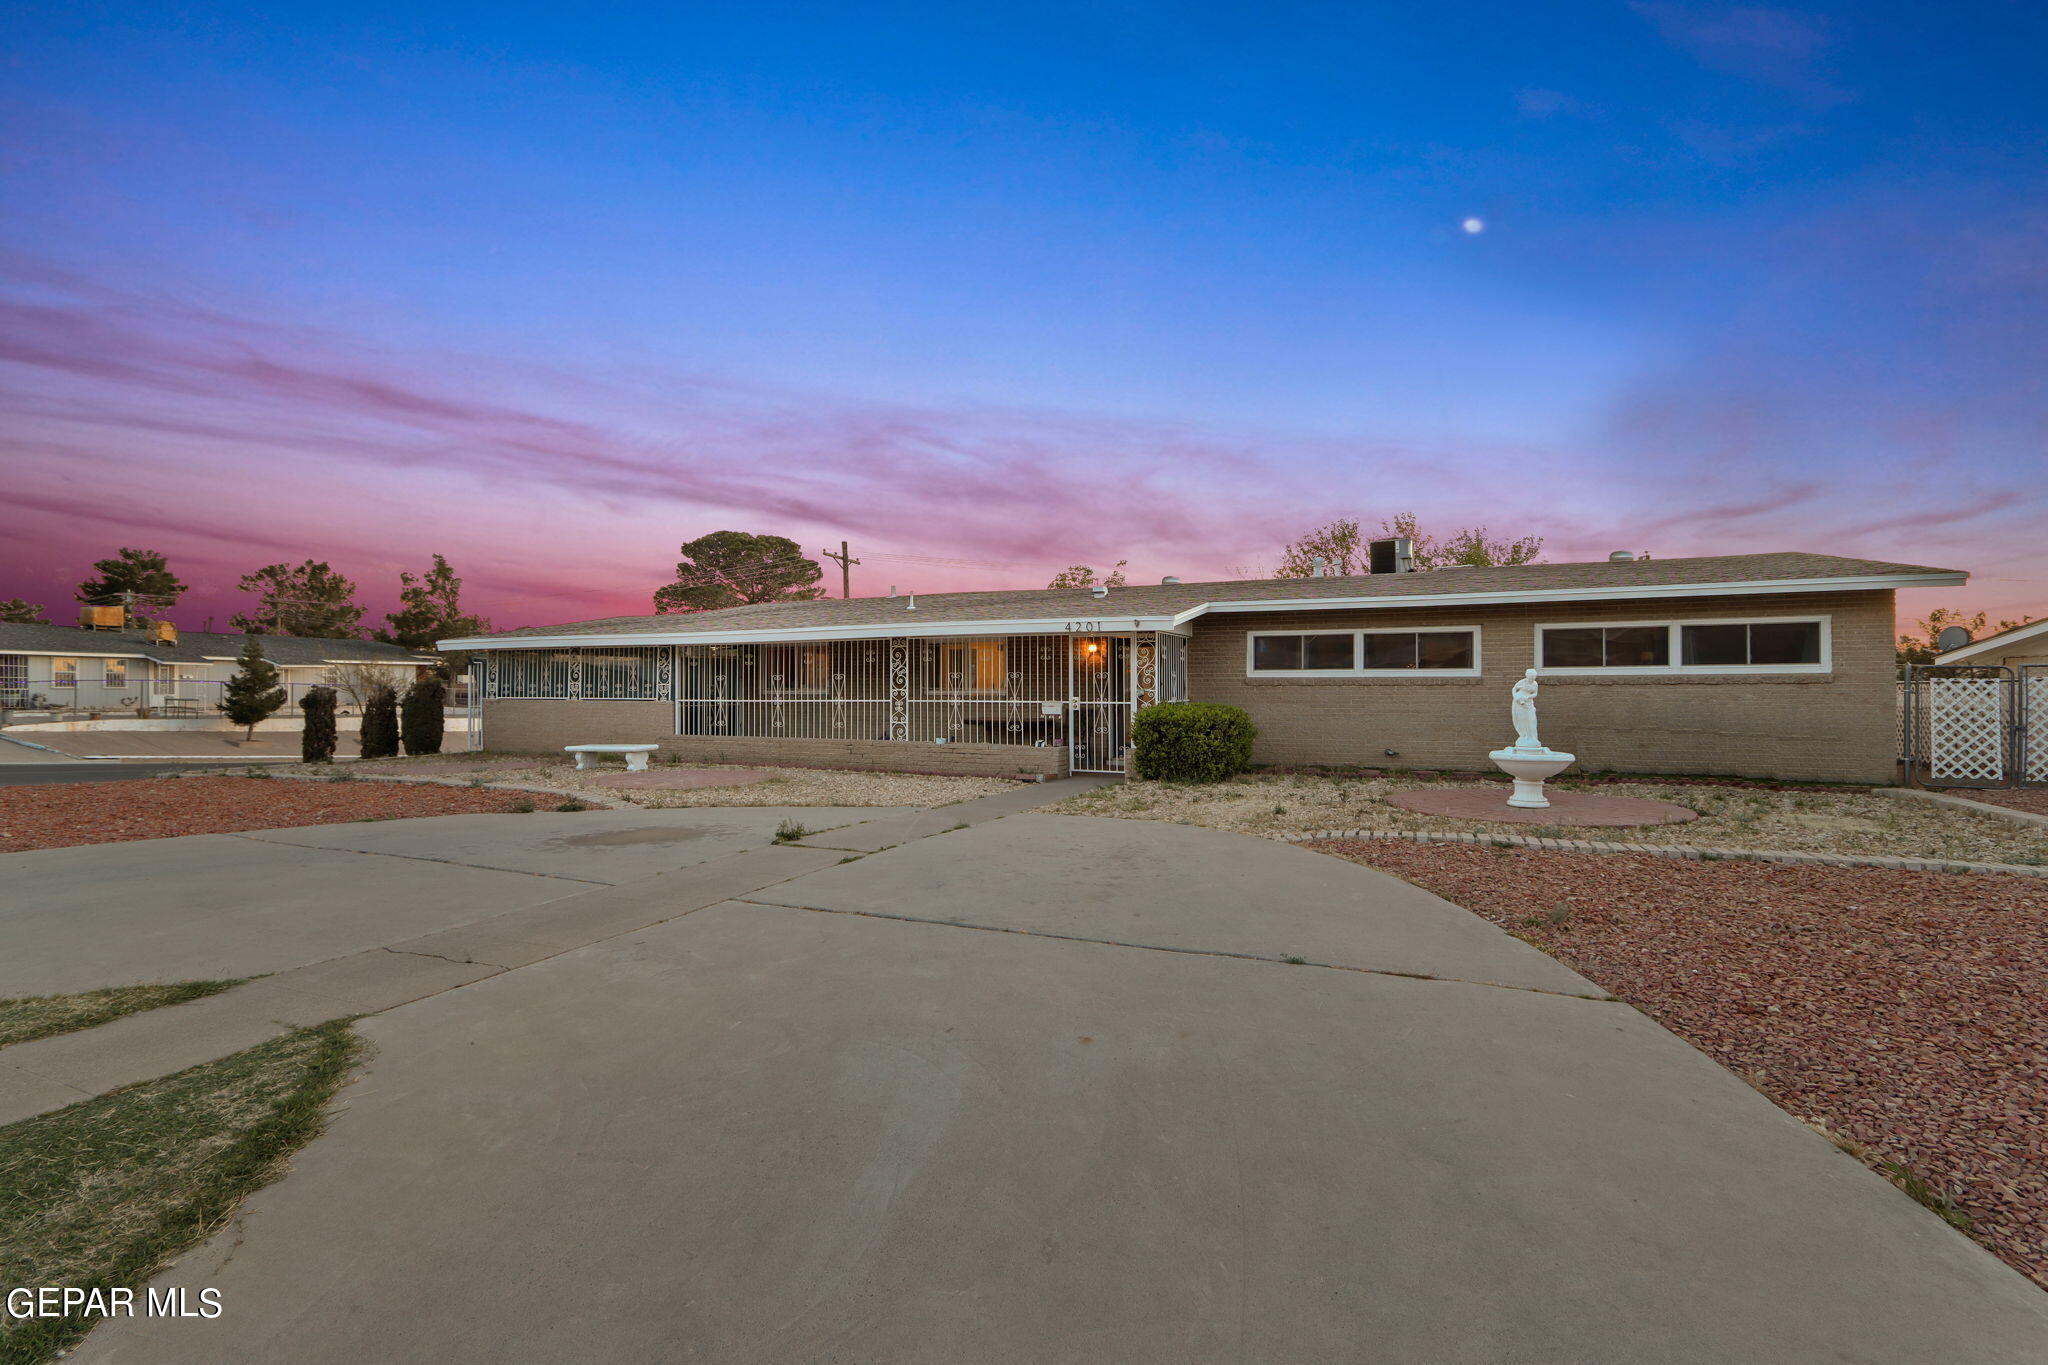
108 669
1358 652
934 682
1675 648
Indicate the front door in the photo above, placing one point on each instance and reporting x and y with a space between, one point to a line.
1099 702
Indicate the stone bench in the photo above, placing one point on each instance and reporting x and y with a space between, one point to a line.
634 754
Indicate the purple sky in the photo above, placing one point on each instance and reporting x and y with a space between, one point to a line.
988 294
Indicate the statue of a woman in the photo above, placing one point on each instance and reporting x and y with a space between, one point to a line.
1523 708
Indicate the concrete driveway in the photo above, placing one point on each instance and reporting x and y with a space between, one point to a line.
1047 1089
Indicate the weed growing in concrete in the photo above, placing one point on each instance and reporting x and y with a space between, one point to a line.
789 831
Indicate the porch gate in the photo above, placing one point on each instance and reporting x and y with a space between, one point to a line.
1099 702
1976 726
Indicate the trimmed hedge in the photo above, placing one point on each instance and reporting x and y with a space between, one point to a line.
316 741
1192 741
419 718
380 723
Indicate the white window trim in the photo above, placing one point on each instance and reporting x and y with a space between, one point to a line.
1357 652
1675 648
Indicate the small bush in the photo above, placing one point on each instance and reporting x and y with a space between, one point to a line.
523 807
316 741
572 803
422 717
1192 741
342 775
789 831
380 723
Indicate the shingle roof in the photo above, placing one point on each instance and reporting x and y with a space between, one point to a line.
1170 599
197 646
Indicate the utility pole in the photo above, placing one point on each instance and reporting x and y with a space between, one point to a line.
846 563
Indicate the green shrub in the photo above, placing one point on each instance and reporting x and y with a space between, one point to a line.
316 741
1192 741
420 720
380 723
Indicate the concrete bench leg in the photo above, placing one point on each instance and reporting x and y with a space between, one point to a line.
582 762
636 763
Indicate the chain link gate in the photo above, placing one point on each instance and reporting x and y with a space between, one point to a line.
1966 725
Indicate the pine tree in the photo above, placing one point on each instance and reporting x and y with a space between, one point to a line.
430 609
734 568
141 580
421 720
309 600
380 724
252 694
16 611
316 741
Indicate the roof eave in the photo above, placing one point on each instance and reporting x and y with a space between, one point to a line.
2005 639
869 630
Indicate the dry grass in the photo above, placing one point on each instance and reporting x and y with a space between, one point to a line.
26 1018
104 1193
1807 821
784 787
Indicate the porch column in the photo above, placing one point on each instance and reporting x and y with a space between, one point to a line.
899 688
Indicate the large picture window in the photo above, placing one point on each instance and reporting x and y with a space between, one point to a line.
617 673
1446 650
1768 645
964 668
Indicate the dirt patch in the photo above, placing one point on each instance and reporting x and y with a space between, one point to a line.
1803 821
62 815
1567 809
1900 1011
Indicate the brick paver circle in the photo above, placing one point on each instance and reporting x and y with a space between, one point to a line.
1490 802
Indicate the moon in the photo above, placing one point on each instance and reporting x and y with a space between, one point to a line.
1473 226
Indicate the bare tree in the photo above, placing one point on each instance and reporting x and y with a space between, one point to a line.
357 683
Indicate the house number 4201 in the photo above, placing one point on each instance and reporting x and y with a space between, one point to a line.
1082 627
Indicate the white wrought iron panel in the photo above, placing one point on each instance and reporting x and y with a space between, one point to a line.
2034 737
1102 683
1966 729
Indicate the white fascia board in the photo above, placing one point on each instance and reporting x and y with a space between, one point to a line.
1588 594
1085 625
2003 640
1116 624
72 654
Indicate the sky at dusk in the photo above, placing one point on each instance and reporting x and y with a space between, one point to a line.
992 289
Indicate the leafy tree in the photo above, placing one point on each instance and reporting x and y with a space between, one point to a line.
1082 576
380 724
421 718
1344 548
736 568
310 600
1921 644
316 741
17 612
144 573
1339 545
430 609
252 694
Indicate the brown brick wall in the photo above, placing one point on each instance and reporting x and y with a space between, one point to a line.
546 726
1836 726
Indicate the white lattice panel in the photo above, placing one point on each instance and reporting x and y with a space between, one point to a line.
1966 729
2034 756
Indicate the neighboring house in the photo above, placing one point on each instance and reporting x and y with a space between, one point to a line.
70 668
1773 665
2027 644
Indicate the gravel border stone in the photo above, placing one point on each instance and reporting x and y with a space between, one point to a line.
2018 817
1687 851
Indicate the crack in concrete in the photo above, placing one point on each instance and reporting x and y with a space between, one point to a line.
442 957
418 858
1283 961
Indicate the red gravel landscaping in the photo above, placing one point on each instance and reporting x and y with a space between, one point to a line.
60 815
1901 1010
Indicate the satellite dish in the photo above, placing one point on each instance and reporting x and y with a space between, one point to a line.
1952 637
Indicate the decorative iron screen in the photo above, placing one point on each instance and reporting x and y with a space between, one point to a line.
613 673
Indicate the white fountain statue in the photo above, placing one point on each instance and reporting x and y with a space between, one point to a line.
1529 761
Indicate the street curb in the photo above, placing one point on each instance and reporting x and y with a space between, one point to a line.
2020 817
1693 852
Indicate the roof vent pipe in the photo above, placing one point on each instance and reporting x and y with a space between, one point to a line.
1622 557
1100 590
913 603
892 590
1169 579
1321 568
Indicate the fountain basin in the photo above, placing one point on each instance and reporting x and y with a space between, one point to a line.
1529 768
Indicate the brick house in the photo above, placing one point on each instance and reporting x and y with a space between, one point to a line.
1770 665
